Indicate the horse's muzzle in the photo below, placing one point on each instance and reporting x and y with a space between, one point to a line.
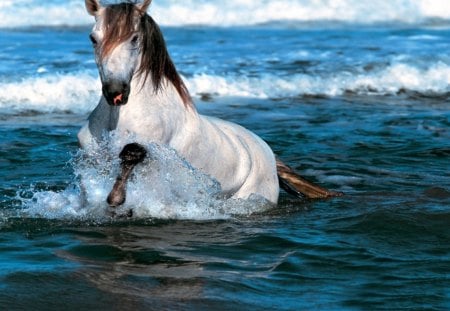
116 93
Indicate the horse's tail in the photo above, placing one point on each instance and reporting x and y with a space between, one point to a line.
296 185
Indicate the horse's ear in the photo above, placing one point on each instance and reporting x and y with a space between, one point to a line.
144 5
92 6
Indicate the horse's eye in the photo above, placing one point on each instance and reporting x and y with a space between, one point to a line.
93 40
135 39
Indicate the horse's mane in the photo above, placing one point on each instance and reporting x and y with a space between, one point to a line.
119 24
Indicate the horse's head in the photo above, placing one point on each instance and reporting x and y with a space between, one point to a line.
117 37
129 43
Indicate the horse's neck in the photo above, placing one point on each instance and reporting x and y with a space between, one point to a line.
156 116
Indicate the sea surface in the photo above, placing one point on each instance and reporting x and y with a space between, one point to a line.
355 95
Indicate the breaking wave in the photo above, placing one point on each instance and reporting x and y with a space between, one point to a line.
75 92
26 13
79 92
391 80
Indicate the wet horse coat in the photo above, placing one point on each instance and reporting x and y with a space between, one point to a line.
144 96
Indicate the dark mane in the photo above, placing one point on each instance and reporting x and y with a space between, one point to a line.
156 60
119 24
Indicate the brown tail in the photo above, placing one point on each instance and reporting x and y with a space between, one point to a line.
296 185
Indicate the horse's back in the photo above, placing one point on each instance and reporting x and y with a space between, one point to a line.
253 155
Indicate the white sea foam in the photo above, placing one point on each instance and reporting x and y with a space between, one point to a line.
26 13
19 13
250 12
79 92
387 81
164 186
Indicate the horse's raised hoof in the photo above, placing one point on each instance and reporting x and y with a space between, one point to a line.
133 154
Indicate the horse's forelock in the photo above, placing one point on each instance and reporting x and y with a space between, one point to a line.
119 25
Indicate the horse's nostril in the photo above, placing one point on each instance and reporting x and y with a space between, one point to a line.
118 99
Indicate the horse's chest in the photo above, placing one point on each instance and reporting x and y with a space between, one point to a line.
142 125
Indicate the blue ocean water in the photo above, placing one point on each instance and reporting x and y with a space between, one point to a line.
352 94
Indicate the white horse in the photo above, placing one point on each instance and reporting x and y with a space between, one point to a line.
143 95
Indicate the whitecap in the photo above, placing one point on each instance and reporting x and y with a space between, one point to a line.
389 80
80 92
75 92
26 13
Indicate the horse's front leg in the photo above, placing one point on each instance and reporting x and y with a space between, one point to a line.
131 155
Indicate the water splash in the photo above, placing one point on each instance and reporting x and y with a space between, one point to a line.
164 186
